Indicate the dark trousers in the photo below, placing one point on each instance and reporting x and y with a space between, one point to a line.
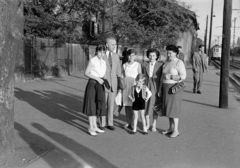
197 81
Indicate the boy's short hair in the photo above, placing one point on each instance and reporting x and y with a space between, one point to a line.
140 77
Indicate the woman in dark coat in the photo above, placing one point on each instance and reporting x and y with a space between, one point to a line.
151 70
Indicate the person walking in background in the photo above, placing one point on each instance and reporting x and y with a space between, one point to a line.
199 66
180 54
113 72
130 71
151 70
173 71
140 94
94 97
124 55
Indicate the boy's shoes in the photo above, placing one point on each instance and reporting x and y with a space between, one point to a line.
133 132
199 92
110 128
145 133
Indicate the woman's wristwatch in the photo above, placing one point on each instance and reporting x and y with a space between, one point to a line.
171 77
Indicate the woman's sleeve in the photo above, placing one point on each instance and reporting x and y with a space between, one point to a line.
149 93
182 71
139 68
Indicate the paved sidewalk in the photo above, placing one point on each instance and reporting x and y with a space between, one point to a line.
48 116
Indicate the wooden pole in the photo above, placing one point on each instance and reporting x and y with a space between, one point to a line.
226 39
205 37
210 34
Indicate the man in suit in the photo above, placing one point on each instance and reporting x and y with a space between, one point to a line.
199 66
112 74
181 55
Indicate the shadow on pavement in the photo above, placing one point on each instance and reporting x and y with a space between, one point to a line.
199 103
57 105
41 146
88 155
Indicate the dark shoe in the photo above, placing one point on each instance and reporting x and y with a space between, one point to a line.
145 133
133 132
130 127
199 92
194 91
110 128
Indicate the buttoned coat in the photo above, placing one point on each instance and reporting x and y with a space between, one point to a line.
156 74
113 72
198 59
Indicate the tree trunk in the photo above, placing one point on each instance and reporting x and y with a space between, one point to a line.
11 28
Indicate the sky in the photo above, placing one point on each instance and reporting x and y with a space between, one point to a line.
202 8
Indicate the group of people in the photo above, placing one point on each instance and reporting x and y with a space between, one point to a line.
145 86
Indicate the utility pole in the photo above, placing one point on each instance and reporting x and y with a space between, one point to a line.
210 34
234 36
226 39
205 37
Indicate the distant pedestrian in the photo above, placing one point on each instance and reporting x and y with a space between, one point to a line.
130 71
113 72
140 94
173 71
199 66
151 70
94 98
181 54
124 55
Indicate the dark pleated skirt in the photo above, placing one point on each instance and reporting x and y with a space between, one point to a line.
90 100
171 102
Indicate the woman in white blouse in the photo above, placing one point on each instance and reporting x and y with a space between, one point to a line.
173 71
94 98
130 71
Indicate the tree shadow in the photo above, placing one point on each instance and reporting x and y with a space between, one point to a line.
88 155
199 103
80 77
40 146
57 105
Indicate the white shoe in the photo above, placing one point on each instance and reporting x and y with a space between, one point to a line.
99 130
93 133
154 129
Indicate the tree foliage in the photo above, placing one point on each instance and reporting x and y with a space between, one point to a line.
58 19
143 21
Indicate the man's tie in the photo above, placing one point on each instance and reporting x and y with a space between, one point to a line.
110 59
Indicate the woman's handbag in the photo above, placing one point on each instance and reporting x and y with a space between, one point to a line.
177 87
118 99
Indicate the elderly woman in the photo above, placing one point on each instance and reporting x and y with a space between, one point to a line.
130 71
173 71
151 70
